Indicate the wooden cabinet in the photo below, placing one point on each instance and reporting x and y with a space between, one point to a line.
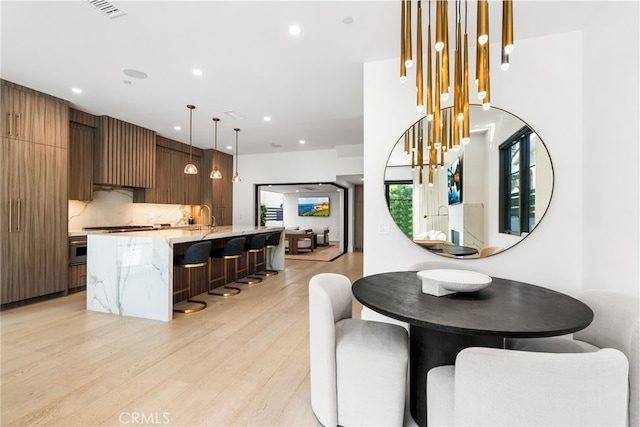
33 221
77 278
124 154
218 193
28 115
33 194
173 186
80 161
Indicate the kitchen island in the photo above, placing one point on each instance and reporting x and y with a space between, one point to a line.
131 274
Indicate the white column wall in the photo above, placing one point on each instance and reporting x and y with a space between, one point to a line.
544 88
610 205
579 91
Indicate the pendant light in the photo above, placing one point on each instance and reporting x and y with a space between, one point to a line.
215 173
190 168
403 39
236 177
442 82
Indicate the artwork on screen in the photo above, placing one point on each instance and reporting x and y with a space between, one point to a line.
313 206
454 181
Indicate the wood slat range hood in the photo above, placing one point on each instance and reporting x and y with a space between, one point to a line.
124 154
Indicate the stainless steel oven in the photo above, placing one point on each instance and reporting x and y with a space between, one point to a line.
77 250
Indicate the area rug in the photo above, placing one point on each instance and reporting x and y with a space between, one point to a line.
321 253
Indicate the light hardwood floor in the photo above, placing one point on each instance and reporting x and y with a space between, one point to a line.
243 360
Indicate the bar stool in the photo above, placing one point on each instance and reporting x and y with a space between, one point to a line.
232 250
255 245
273 240
196 255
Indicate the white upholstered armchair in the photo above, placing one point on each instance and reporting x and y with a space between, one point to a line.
358 367
496 387
616 324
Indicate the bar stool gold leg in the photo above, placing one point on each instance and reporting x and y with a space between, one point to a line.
250 279
202 304
266 253
233 290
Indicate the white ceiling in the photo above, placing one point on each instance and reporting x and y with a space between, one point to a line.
310 85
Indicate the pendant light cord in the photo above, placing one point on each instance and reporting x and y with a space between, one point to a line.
190 134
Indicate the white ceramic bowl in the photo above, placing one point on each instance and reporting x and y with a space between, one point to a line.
455 280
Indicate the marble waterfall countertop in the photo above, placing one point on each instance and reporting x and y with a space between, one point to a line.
131 273
184 233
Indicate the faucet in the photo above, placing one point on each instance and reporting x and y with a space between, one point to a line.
213 222
209 217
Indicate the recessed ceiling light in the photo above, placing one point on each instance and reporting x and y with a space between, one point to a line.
136 74
302 141
229 147
338 190
294 30
347 20
297 191
197 72
267 118
177 128
76 90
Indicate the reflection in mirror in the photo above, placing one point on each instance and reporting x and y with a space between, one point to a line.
474 200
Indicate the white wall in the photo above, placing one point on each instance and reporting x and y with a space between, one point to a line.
610 204
541 259
563 87
333 221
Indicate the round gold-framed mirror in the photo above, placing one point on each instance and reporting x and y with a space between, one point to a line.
473 200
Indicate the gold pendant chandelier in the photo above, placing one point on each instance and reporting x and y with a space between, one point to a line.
447 129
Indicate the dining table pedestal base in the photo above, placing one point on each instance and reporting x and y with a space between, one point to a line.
430 348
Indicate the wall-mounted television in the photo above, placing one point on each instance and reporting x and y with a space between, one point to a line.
313 206
454 181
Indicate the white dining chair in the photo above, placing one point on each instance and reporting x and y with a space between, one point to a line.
616 324
358 368
497 387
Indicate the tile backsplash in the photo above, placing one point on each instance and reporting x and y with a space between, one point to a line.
114 206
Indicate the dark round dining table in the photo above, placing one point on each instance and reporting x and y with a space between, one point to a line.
440 327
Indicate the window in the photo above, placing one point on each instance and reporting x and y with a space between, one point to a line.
399 195
517 183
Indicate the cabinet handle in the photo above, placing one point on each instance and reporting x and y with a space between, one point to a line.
9 123
10 211
18 128
19 214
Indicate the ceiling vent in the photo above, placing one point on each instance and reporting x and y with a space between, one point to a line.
106 8
234 115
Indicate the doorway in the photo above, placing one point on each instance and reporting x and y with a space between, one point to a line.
293 205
